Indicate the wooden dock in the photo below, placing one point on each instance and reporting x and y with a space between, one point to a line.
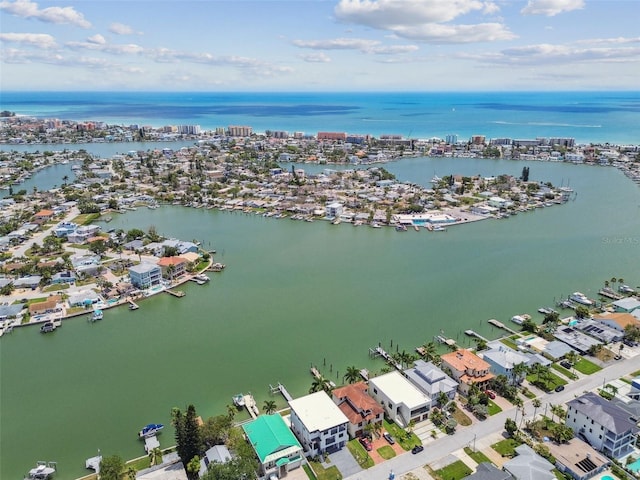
133 305
318 375
380 352
608 293
281 389
176 293
501 325
250 405
475 334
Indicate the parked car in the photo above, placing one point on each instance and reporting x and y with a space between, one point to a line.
387 436
365 443
417 449
490 393
559 388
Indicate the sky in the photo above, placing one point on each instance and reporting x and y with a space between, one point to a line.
319 45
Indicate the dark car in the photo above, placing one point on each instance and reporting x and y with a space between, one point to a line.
387 436
566 364
417 449
559 388
365 443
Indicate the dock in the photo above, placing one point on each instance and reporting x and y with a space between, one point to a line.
380 352
501 325
608 293
472 333
281 389
364 373
447 341
176 293
250 405
93 463
133 305
150 443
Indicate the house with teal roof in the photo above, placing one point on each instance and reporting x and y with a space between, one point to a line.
276 446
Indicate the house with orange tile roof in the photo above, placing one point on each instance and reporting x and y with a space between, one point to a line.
179 265
51 304
467 369
43 216
358 406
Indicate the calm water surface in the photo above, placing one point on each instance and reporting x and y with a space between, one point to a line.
296 294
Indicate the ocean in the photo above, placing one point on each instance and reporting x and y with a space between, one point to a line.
596 117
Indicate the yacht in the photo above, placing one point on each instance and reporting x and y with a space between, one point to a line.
150 430
97 315
580 298
42 471
47 327
238 400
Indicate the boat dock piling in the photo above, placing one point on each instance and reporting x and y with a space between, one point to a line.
176 293
281 389
447 341
380 352
498 324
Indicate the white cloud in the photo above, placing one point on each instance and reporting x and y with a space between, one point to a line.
58 15
115 49
40 40
425 20
121 29
363 45
319 57
551 8
97 39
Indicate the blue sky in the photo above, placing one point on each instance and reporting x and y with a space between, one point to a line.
319 45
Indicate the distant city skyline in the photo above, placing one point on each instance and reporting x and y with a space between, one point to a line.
319 45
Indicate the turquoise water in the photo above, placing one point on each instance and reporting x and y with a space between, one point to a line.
295 294
634 467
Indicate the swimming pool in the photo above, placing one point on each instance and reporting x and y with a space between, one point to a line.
607 477
635 466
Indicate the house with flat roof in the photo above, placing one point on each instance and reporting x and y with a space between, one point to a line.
467 369
618 321
578 459
318 423
145 275
528 465
576 339
358 406
604 425
401 399
598 330
626 305
276 447
431 381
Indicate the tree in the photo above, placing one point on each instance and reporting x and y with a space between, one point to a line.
193 467
187 433
551 318
510 426
269 407
320 383
525 174
518 372
216 430
536 405
632 333
562 433
98 247
352 375
430 352
111 467
131 472
155 457
443 399
481 344
582 311
529 326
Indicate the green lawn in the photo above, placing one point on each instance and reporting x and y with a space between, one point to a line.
460 417
586 367
493 408
506 447
455 471
386 452
309 472
564 371
321 473
359 453
479 457
407 441
509 343
553 381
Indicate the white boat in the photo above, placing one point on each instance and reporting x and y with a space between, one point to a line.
238 400
97 315
435 179
42 471
626 289
580 298
518 319
439 228
375 225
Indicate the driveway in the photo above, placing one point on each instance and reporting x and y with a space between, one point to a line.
345 462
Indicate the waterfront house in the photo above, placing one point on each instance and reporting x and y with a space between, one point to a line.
618 321
50 305
502 359
334 210
604 425
358 406
276 447
84 299
575 339
467 369
43 216
429 379
318 423
63 277
401 400
528 465
626 305
145 275
172 267
578 459
598 330
83 233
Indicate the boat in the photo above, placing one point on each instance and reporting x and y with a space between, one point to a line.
108 219
401 228
238 400
375 225
42 471
439 228
580 298
47 327
97 315
150 430
626 289
545 310
518 319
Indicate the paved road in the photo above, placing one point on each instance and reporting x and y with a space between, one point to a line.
466 435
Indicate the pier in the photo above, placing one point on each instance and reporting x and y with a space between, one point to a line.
447 341
279 388
250 404
176 293
501 325
133 305
380 352
472 333
318 375
608 293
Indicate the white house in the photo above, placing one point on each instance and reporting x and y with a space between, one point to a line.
318 423
334 210
401 400
604 425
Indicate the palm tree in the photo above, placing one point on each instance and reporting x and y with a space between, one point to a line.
443 399
612 388
430 350
352 375
519 371
536 405
231 411
269 407
155 456
319 383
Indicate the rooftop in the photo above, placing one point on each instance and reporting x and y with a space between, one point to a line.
400 390
464 359
270 437
317 412
603 412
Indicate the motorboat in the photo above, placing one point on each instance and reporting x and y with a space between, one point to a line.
626 289
580 298
238 400
42 471
150 430
47 327
97 315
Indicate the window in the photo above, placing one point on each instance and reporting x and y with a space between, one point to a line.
334 431
375 390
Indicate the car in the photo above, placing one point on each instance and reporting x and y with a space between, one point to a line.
365 443
566 364
417 449
559 388
491 394
387 436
